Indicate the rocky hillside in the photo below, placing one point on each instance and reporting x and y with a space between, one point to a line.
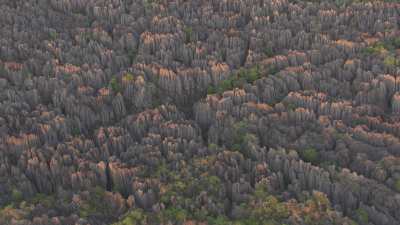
199 112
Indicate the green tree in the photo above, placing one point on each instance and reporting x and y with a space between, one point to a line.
134 217
176 215
362 215
188 34
310 155
397 185
115 86
390 61
17 195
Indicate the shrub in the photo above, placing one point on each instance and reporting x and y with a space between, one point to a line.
261 191
211 90
376 48
213 147
95 205
310 155
128 77
75 131
362 216
390 61
237 80
273 70
175 214
115 86
397 185
220 220
226 85
131 55
396 42
270 208
53 34
188 34
382 46
239 132
134 217
268 52
16 195
253 74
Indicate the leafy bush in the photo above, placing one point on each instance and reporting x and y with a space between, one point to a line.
188 34
261 191
237 80
75 131
175 214
268 51
220 220
132 55
128 77
239 133
376 48
47 201
397 185
211 90
382 46
391 61
270 208
134 217
53 34
273 70
310 155
16 195
115 86
362 216
95 204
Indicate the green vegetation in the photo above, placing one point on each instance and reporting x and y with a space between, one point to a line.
132 55
115 86
20 208
385 47
147 4
213 147
362 216
75 131
376 48
382 46
270 209
397 185
237 80
175 214
128 77
239 135
134 217
16 195
95 204
53 35
291 107
262 208
310 155
47 201
219 220
188 34
341 3
391 61
242 139
268 51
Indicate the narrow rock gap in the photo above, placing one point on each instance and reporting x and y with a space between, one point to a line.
109 182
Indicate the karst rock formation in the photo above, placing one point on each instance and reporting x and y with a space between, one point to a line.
199 112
